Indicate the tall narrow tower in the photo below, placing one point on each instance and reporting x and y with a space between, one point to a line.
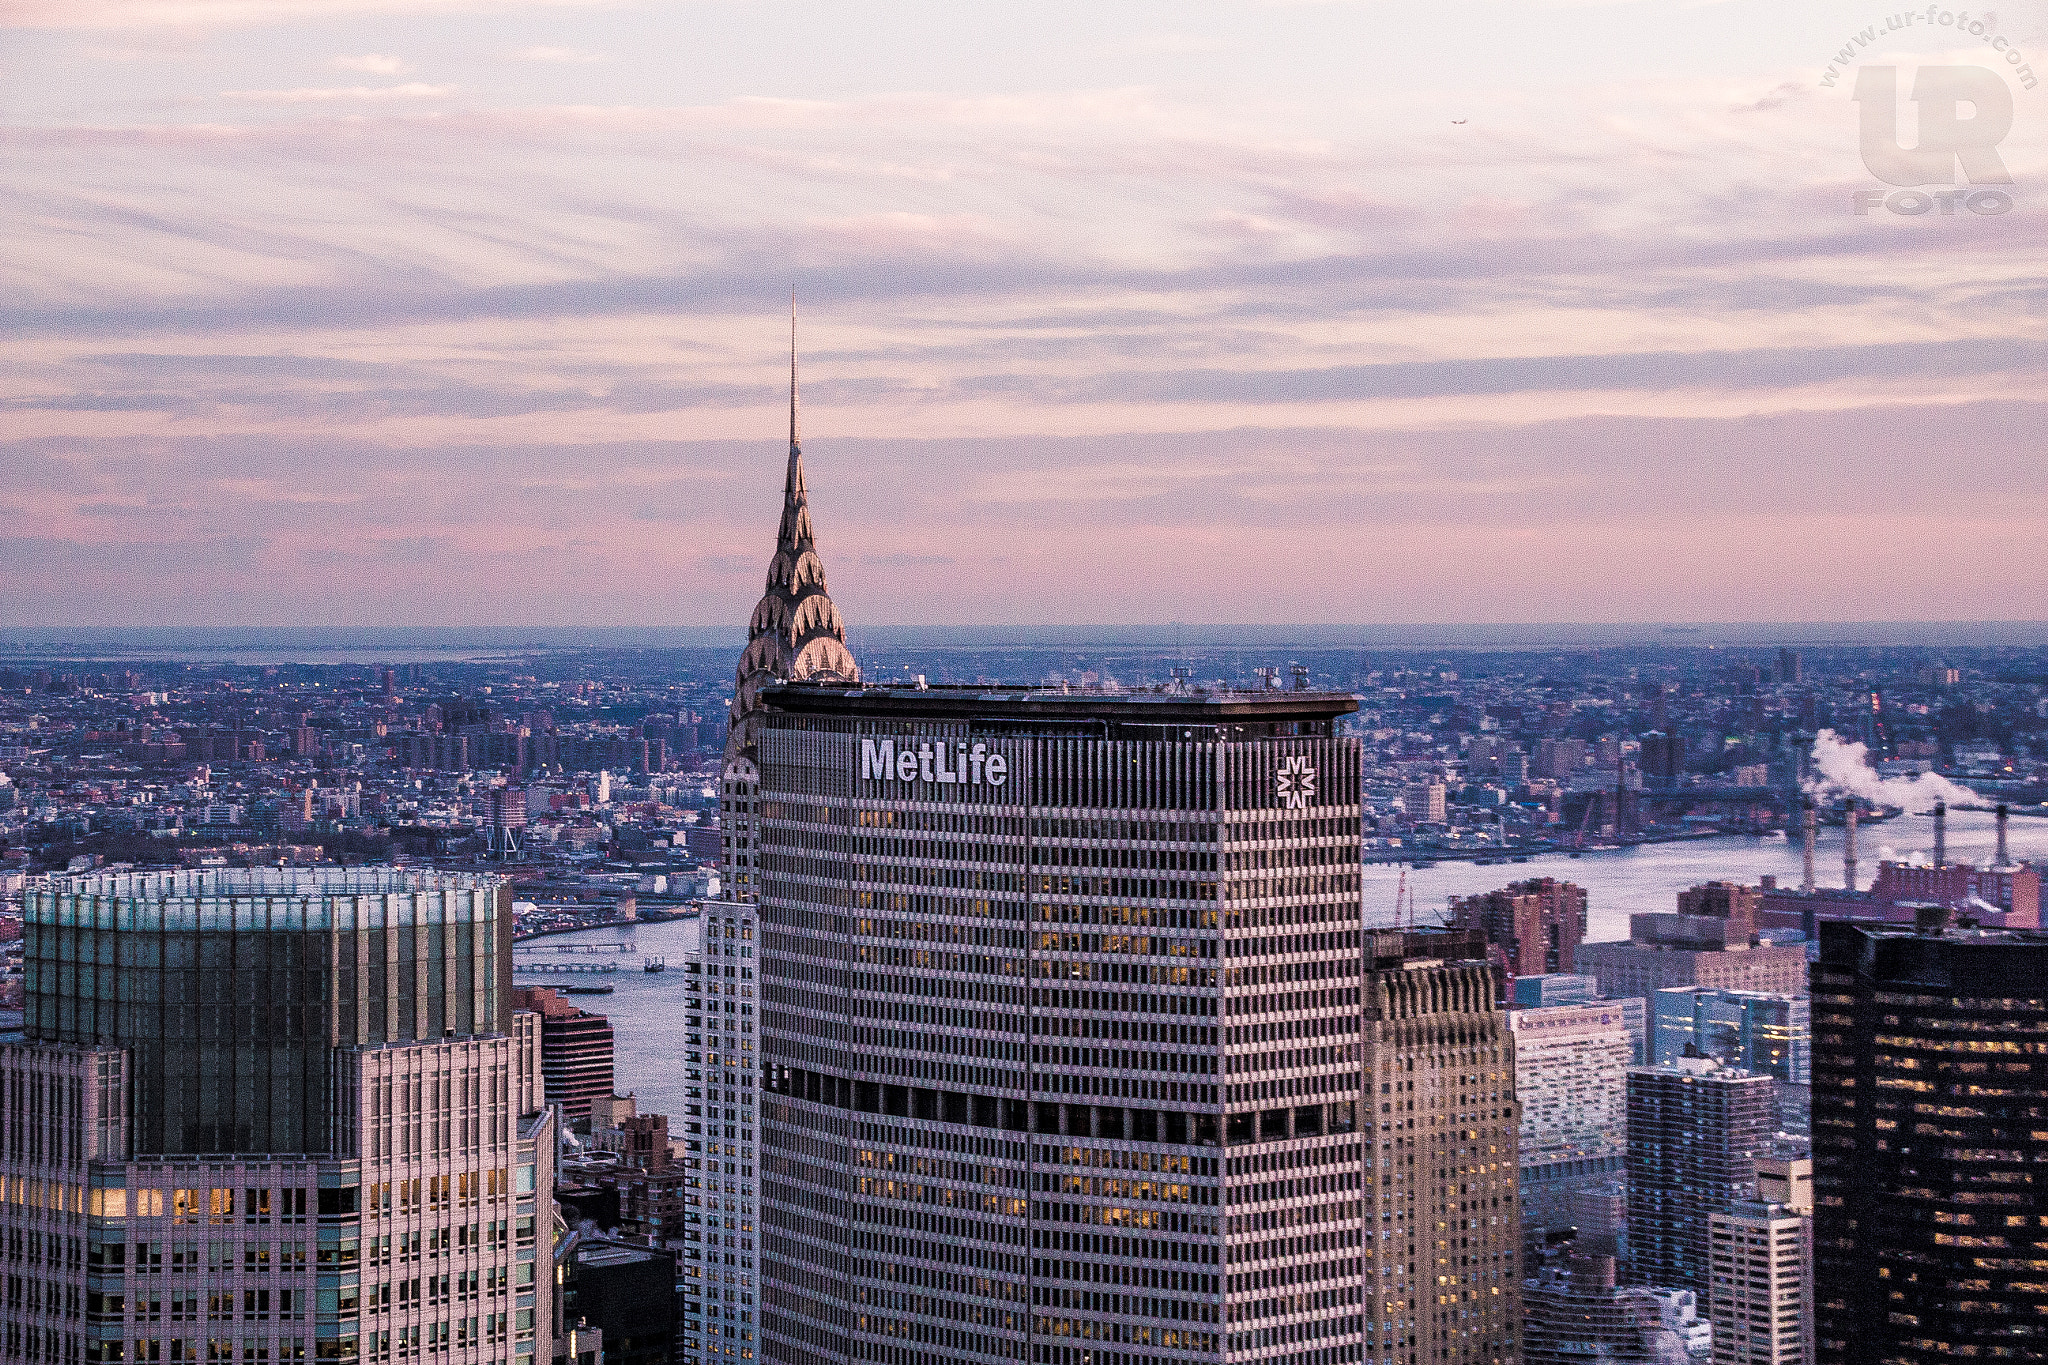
1808 817
795 634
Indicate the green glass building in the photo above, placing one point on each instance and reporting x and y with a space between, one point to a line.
298 1100
231 988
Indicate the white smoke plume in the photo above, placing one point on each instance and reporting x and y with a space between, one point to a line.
1842 768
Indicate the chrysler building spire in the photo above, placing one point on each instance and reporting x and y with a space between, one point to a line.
795 634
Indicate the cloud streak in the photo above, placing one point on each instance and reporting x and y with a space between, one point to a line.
1618 348
411 90
373 64
572 56
145 14
1593 519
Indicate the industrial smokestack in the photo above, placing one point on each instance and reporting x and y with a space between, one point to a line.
1849 844
1941 834
2001 835
1806 882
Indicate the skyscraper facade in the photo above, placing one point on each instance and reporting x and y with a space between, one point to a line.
1760 1298
1929 1077
1754 1030
1068 1023
1571 1084
576 1052
1576 1313
795 633
716 1242
1691 950
1695 1131
1729 901
1440 1064
273 1116
1533 927
1565 988
1426 803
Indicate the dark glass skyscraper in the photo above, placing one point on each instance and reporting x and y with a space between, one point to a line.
1930 1132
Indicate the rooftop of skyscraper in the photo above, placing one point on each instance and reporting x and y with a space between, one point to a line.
1964 934
262 882
1035 701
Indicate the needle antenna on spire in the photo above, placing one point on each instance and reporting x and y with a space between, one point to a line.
792 369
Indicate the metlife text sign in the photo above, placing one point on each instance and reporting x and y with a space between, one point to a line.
958 764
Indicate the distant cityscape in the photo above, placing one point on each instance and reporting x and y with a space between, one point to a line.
607 763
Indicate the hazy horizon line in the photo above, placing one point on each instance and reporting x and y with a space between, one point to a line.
1152 634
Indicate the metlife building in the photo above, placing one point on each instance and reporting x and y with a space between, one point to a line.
1066 1019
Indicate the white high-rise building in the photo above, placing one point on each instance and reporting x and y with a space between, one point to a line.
1425 802
1760 1294
1571 1079
715 1251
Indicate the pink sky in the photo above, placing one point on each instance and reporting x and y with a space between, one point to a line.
388 311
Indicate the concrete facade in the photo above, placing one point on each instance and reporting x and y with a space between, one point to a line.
1533 927
718 1188
1760 1299
1571 1083
1068 1025
1643 969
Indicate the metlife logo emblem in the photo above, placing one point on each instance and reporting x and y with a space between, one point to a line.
956 764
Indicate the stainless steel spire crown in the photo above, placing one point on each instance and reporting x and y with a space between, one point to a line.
795 634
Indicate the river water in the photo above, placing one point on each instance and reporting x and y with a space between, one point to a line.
646 1013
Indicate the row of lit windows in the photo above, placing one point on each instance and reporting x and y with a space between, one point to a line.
183 1258
1924 1002
213 1205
